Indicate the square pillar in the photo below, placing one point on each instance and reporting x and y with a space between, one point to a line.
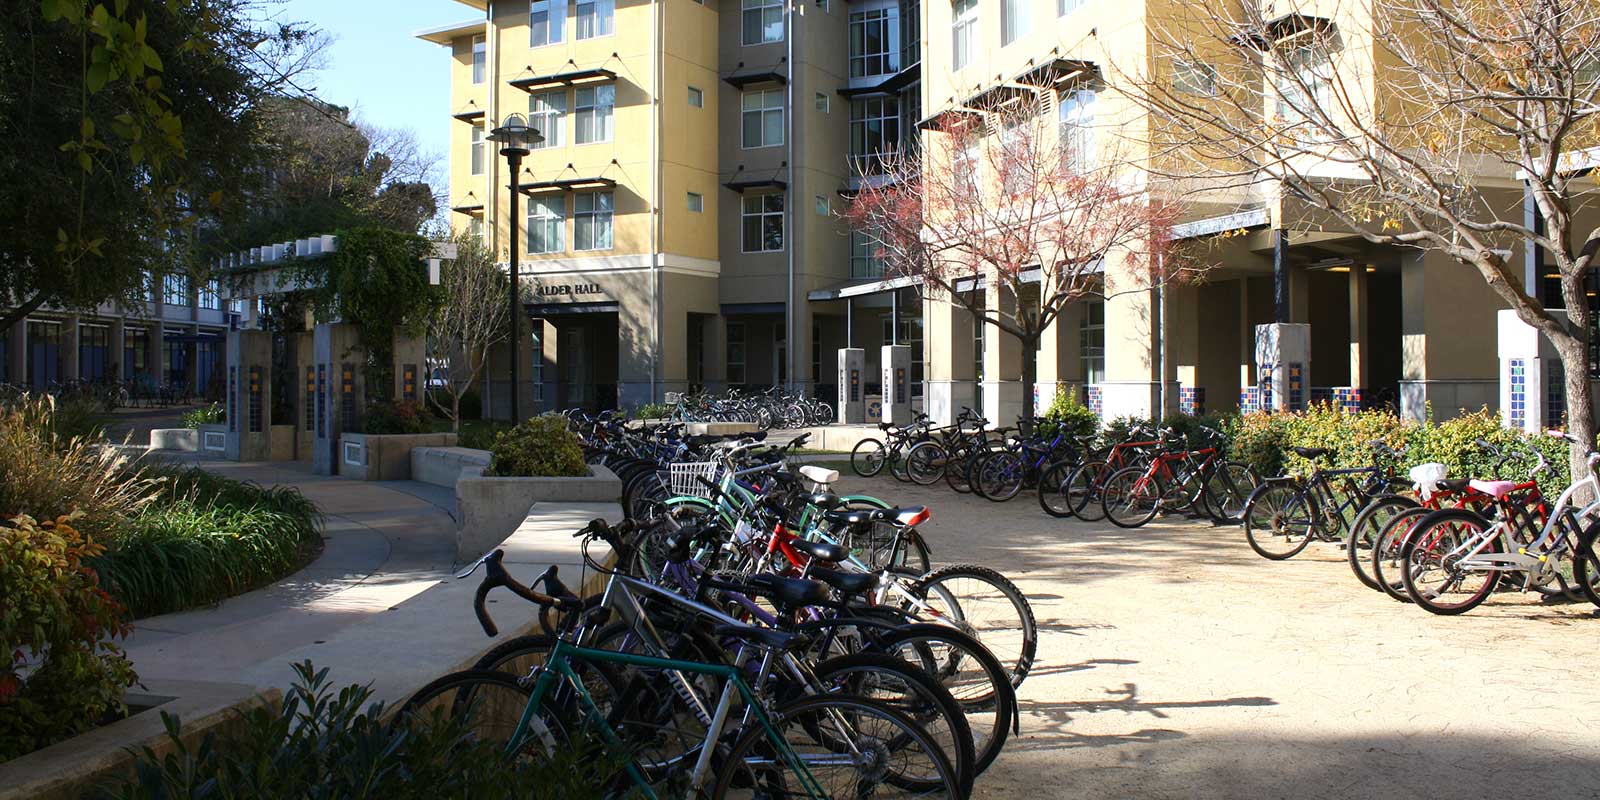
1131 385
896 361
1526 362
1002 360
116 343
950 375
852 406
71 366
1360 334
249 396
340 391
1283 360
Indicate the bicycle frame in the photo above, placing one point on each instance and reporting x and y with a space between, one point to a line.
1534 559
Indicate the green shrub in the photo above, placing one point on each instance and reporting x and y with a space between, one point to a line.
480 435
542 446
210 415
319 743
64 670
653 411
1066 412
396 417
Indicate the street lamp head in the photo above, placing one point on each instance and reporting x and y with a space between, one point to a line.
515 135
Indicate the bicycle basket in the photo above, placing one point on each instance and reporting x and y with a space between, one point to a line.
682 478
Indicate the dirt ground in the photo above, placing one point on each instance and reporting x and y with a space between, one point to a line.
1175 662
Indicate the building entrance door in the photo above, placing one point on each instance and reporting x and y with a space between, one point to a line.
574 367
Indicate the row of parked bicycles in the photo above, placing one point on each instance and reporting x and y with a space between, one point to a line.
140 392
1129 482
768 409
1444 543
757 636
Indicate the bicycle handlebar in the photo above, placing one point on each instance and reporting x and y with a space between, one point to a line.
497 576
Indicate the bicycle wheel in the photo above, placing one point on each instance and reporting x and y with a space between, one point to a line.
1385 556
1129 499
983 604
1366 530
493 700
1433 575
925 463
1278 520
955 473
1228 488
1586 563
1083 490
1053 496
1000 477
897 463
836 746
977 680
867 457
906 687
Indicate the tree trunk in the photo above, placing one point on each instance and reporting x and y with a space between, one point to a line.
1030 374
455 410
1580 402
11 318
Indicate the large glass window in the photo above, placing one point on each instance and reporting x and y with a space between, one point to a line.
547 113
874 133
480 59
45 359
736 353
594 107
591 221
866 261
546 221
763 118
1304 80
1092 341
596 18
1013 19
477 150
536 355
1065 7
1075 127
546 22
94 352
763 223
763 21
910 32
175 290
209 296
875 42
964 32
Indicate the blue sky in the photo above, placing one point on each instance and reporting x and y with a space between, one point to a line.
377 68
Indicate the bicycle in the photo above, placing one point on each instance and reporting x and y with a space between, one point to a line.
869 456
1175 479
1286 513
1082 488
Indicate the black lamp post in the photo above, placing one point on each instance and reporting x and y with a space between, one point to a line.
515 139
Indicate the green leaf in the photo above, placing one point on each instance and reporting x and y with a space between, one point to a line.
52 10
152 59
86 130
97 76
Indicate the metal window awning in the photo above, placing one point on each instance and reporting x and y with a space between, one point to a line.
578 184
1282 28
1059 72
753 77
862 287
939 118
742 183
469 116
577 77
470 210
892 84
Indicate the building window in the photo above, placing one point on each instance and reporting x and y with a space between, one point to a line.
475 227
964 31
824 206
94 352
595 18
547 113
477 150
1304 81
594 113
1193 77
874 133
546 221
1065 7
875 42
1075 127
1092 341
175 290
591 221
763 118
822 102
910 33
697 202
697 98
546 22
763 21
736 353
763 223
480 59
1013 20
536 354
209 296
866 258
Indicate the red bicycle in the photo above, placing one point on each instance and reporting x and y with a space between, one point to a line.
1179 478
1082 488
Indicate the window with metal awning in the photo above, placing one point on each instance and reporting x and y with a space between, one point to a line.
565 79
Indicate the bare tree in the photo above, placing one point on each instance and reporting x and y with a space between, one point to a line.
1036 210
472 319
1411 123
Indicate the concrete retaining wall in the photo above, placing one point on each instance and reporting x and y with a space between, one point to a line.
442 466
387 457
488 509
186 440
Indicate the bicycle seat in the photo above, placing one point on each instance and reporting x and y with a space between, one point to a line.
821 550
1455 484
1312 452
852 516
766 637
845 582
905 516
825 500
1496 489
790 591
817 474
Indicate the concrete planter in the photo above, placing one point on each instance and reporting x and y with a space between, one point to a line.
489 509
442 466
385 457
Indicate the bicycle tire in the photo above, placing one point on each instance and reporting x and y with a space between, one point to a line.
1586 563
1227 489
925 462
1423 546
1083 490
495 699
1278 509
1000 477
1130 501
1365 532
985 694
960 610
1053 497
753 762
867 457
1386 566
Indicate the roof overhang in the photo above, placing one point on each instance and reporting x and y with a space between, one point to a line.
862 288
576 77
948 115
740 80
741 185
1058 73
1211 226
892 84
470 210
472 115
577 184
1280 30
445 34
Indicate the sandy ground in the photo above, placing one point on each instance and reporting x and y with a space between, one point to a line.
1175 662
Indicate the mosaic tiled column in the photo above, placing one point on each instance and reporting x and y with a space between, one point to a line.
1526 366
1283 362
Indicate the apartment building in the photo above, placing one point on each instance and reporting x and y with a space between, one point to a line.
678 223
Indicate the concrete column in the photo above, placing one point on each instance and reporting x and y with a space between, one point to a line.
1446 345
116 342
1360 337
70 339
947 332
340 390
896 367
716 353
1131 381
249 398
191 367
674 375
852 406
156 352
635 349
410 369
1524 359
1247 338
1002 361
1283 355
